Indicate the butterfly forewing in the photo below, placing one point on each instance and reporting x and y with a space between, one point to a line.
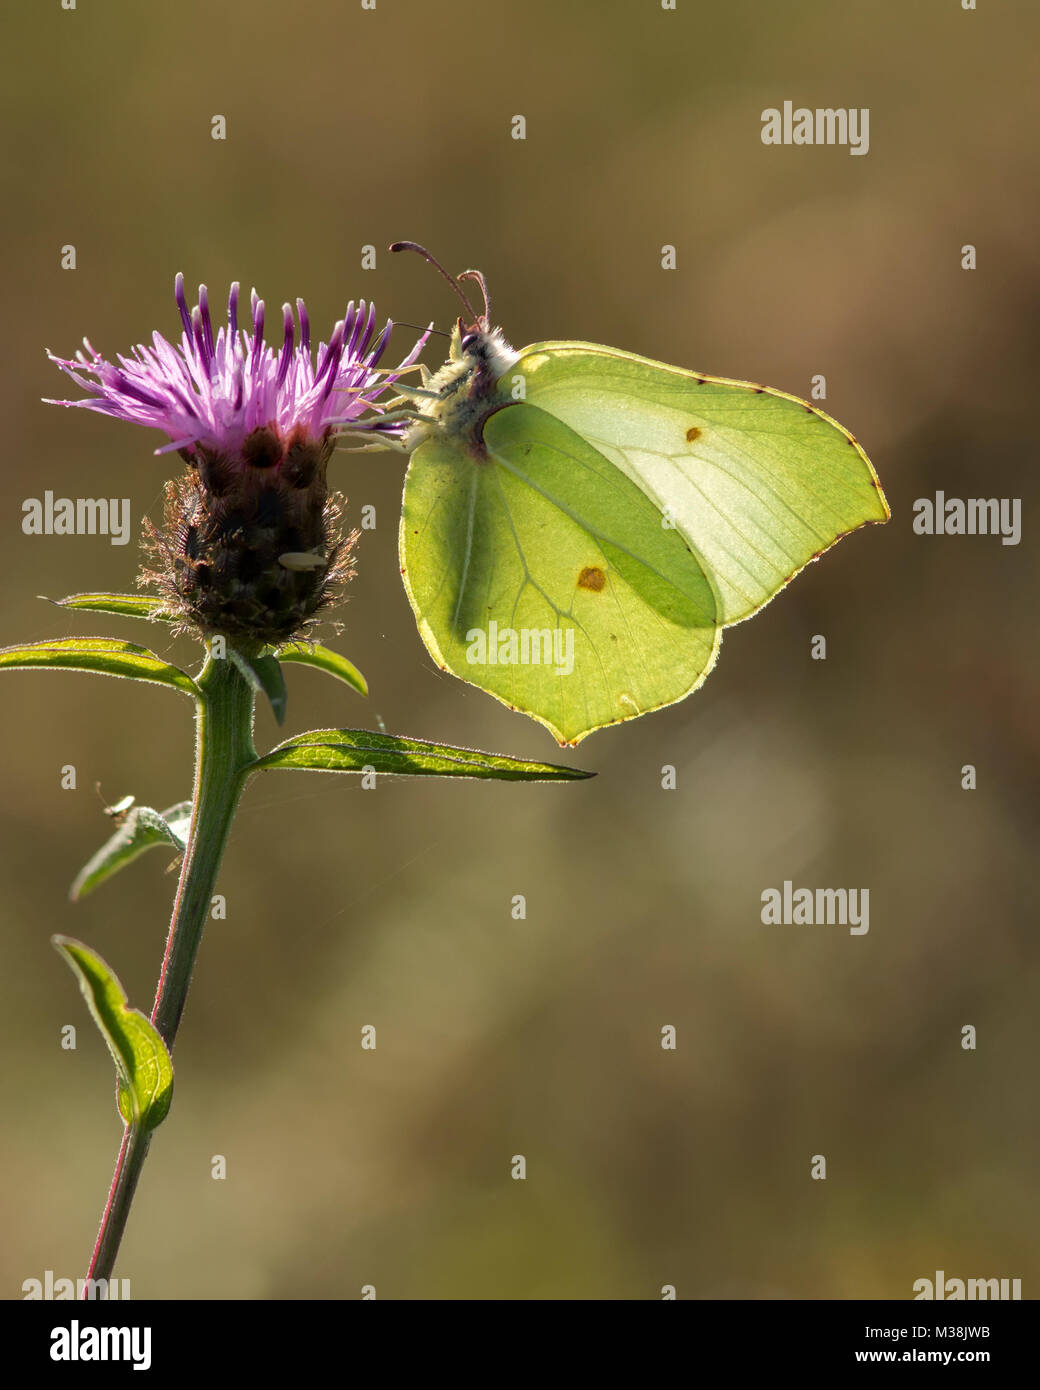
758 482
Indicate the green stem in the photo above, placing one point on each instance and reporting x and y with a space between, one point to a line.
129 1163
224 749
223 753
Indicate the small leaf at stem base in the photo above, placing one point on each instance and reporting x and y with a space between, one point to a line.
141 829
145 1071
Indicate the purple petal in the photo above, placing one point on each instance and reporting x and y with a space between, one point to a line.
182 303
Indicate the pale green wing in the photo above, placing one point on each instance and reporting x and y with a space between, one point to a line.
757 481
543 575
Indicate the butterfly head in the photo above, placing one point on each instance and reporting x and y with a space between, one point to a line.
462 394
484 349
473 339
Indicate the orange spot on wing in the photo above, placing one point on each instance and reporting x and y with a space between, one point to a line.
692 433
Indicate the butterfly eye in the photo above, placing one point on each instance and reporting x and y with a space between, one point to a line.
469 341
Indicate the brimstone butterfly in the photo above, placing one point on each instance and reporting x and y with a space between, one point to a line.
580 523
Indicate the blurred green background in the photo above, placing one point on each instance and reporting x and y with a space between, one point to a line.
646 1167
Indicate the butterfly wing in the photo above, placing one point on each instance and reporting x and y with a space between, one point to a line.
543 574
758 482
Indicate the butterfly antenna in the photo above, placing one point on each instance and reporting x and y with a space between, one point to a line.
476 275
419 328
422 251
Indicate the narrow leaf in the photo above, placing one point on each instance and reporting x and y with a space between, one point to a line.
141 829
325 660
126 605
99 654
354 750
265 676
145 1071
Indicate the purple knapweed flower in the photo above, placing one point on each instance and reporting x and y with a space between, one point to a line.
252 545
214 390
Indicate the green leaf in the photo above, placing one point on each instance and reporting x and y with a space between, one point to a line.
325 660
99 654
126 605
266 677
141 829
145 1071
355 750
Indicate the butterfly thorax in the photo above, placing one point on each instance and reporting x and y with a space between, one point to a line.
458 399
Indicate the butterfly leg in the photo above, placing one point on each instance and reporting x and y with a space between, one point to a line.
385 443
413 393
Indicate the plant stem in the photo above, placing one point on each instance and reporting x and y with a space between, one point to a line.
223 753
129 1163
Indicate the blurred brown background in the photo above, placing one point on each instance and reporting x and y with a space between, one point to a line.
392 908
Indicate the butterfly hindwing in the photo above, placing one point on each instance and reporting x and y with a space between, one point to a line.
543 574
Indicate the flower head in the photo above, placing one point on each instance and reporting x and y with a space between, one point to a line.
251 545
213 390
